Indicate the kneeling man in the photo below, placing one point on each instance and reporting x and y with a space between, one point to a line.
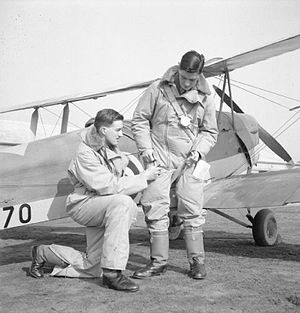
101 201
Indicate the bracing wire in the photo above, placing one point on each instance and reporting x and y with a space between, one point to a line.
284 127
279 129
128 106
124 109
58 116
80 109
287 127
263 146
43 125
273 102
255 94
260 96
56 122
271 92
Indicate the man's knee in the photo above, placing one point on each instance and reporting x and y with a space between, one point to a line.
158 225
123 205
123 199
193 221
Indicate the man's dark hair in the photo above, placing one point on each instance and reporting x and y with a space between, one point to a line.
106 117
192 62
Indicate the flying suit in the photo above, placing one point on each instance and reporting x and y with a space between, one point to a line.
156 125
101 201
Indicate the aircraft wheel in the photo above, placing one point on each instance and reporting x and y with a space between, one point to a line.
264 228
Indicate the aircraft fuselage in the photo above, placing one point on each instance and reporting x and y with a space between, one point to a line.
33 176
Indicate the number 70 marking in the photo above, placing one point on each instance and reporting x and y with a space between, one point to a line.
23 219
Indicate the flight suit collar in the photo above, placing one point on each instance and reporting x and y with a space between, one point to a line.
169 77
114 157
112 154
92 138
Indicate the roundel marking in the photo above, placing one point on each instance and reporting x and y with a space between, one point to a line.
134 167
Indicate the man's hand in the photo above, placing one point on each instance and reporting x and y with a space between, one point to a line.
152 173
192 158
148 156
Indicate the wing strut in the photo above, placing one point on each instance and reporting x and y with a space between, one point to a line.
267 138
232 108
65 119
231 103
222 99
64 122
34 121
227 82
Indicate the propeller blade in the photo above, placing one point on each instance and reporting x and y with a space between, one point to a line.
267 138
273 144
236 108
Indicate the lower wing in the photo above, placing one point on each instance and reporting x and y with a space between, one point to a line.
270 189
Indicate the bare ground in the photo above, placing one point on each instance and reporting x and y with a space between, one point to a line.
242 277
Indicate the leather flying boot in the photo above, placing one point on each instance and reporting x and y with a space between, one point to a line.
195 251
197 269
159 250
119 282
151 269
36 270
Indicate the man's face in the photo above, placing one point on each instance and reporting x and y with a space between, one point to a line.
113 133
188 80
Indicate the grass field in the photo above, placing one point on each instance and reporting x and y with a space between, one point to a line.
242 277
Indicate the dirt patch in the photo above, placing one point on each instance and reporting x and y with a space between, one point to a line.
242 277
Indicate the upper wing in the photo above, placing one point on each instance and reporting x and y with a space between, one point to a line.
270 189
74 98
253 56
211 69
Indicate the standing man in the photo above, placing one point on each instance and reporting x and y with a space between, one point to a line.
174 125
101 202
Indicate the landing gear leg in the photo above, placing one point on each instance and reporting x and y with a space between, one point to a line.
249 216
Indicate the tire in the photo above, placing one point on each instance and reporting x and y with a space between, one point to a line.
264 228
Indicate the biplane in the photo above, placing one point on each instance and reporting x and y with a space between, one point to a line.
33 176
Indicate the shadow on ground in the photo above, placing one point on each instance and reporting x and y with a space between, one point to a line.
18 240
232 244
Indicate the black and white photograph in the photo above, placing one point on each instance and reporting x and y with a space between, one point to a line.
149 156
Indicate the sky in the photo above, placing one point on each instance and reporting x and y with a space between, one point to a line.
54 48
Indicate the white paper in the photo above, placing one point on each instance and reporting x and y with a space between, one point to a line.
201 170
